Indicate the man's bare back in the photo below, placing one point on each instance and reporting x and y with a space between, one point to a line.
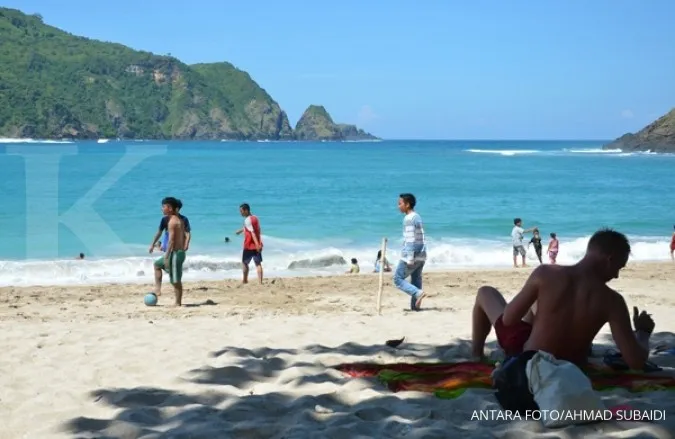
573 303
565 295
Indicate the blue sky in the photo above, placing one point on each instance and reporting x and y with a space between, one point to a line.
433 69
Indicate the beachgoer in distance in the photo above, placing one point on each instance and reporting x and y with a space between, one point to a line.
413 254
517 240
354 269
536 241
173 259
163 228
572 304
553 247
387 267
80 256
252 242
672 246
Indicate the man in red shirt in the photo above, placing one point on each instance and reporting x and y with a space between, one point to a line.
252 242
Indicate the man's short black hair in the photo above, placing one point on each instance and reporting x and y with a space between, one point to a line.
245 207
409 198
171 201
516 221
355 261
180 204
610 242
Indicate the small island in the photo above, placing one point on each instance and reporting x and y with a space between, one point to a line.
658 136
56 85
316 124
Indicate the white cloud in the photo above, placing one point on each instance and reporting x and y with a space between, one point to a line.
627 114
366 115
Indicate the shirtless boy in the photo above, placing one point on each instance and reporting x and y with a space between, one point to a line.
172 261
572 305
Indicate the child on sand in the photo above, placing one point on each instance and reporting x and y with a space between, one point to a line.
536 241
355 267
672 246
553 246
387 267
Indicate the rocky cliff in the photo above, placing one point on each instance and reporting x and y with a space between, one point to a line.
55 85
659 136
316 124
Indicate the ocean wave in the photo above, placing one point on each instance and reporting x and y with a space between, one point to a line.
315 259
593 151
504 152
9 140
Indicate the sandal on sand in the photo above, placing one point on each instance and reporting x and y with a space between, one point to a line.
418 301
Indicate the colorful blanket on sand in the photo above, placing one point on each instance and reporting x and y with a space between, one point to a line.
449 380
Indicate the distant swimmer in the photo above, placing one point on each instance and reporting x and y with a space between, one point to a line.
227 239
81 255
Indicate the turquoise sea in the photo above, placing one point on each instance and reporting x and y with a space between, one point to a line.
314 200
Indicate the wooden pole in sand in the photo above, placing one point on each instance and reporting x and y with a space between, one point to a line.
381 285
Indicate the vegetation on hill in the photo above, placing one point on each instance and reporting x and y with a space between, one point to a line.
658 136
55 85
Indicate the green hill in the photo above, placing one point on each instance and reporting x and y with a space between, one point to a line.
54 84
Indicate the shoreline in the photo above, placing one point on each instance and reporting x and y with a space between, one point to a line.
235 275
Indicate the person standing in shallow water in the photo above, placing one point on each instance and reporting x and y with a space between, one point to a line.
536 242
517 241
672 246
413 254
553 246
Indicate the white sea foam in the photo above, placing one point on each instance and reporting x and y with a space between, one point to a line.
593 151
8 140
318 259
504 152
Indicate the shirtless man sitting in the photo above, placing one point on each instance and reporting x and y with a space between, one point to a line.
573 303
173 259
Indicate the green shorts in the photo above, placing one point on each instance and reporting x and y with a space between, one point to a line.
175 268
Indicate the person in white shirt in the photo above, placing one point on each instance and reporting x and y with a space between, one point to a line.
517 240
413 254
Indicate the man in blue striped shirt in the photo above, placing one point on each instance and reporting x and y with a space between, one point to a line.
413 254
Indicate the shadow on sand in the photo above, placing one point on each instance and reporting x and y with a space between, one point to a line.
294 393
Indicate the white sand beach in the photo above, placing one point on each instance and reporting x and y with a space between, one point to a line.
249 361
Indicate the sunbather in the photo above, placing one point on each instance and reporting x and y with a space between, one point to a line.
573 304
